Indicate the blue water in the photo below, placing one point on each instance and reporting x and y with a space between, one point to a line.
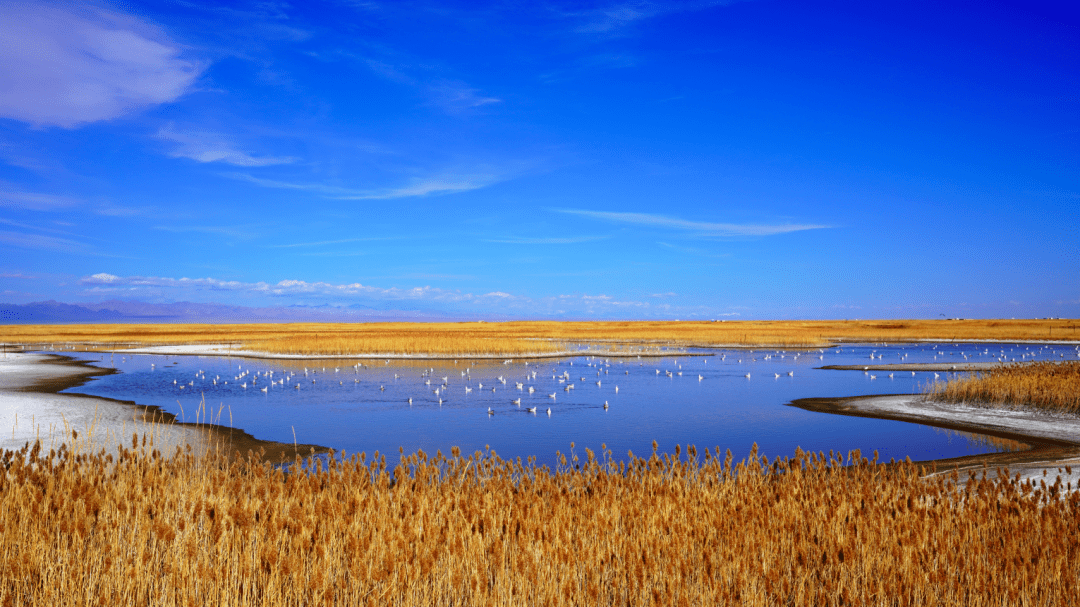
364 408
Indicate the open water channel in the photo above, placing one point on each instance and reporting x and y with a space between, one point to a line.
727 398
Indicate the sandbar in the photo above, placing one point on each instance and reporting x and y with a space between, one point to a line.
32 408
1053 439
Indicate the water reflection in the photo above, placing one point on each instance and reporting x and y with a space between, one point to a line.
727 398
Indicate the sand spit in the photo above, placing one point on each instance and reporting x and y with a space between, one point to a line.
1053 439
31 408
980 366
226 350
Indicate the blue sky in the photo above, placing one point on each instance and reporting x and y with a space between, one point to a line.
757 159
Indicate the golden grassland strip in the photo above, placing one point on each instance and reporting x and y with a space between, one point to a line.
1054 386
683 529
524 338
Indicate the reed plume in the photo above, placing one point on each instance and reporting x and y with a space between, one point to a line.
692 528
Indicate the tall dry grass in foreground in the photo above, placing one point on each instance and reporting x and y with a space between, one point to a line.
1048 385
516 339
143 530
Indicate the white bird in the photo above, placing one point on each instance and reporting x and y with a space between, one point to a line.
605 405
616 389
264 390
549 411
467 389
517 401
531 409
551 396
747 376
777 375
531 389
410 401
490 412
700 377
791 374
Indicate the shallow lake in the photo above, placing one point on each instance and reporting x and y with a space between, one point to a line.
699 397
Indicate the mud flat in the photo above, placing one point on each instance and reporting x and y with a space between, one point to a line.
32 408
1053 440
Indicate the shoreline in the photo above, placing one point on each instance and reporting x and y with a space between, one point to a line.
1052 441
216 350
33 406
947 367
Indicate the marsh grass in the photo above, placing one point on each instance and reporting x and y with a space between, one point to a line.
684 529
1054 386
520 339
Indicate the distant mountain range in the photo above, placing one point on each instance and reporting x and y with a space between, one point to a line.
116 311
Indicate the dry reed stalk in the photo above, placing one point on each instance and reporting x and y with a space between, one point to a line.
1054 386
524 338
683 529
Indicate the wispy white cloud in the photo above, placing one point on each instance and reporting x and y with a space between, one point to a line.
69 64
581 305
111 210
572 240
456 97
615 17
329 242
36 201
220 230
701 252
701 227
41 242
104 282
419 187
334 253
451 96
203 146
431 298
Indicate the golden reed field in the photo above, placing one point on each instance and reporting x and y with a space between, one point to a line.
524 338
688 529
1048 385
